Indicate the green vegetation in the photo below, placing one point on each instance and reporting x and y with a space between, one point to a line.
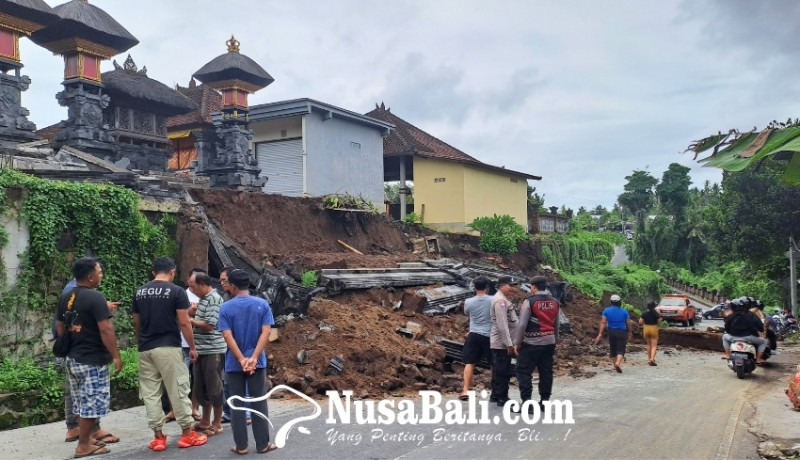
583 258
25 376
729 239
67 220
128 378
412 218
499 234
347 201
309 278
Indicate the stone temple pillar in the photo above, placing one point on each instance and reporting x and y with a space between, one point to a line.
17 19
231 163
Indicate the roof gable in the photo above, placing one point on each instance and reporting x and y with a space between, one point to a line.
407 139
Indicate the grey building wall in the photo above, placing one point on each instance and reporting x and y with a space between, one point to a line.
343 157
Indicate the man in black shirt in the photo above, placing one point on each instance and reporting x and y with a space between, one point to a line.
160 313
744 325
83 313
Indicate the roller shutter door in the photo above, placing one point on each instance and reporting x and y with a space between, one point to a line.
282 164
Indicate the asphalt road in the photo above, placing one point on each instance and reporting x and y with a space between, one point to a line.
690 406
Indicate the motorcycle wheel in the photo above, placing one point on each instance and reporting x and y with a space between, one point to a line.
740 372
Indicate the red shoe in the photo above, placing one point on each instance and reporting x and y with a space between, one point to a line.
192 440
158 444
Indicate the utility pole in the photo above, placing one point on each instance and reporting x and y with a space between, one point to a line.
792 254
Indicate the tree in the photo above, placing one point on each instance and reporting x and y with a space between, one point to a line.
673 190
638 195
535 201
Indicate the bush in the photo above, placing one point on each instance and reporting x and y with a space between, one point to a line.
24 375
412 218
499 234
128 378
309 278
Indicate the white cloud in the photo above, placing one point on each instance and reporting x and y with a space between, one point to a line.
580 92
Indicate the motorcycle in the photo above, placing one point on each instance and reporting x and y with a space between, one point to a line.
786 324
743 357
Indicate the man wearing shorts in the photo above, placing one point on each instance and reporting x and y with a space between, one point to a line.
83 313
618 322
477 346
160 313
210 364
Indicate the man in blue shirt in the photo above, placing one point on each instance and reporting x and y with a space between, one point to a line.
245 322
618 322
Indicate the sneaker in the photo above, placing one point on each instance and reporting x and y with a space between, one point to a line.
158 444
192 440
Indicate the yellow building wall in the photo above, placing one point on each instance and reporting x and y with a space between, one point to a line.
487 193
439 194
452 195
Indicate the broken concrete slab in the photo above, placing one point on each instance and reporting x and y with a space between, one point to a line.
336 366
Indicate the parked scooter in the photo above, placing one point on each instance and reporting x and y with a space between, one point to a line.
786 324
743 357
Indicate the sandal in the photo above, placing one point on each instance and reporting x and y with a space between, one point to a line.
98 450
236 450
270 447
463 398
206 430
107 438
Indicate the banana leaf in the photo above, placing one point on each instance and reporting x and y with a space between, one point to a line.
729 159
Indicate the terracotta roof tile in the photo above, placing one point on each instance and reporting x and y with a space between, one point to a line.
407 139
49 132
209 101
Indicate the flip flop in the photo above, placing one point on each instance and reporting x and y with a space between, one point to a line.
206 430
617 368
96 451
463 398
270 447
235 450
71 439
108 438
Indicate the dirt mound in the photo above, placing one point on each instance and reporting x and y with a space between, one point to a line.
357 330
360 329
281 226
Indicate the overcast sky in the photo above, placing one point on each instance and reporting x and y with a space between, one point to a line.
579 92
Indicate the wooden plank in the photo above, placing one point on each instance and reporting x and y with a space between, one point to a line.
349 247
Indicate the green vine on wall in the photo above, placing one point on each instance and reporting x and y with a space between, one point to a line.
583 258
67 220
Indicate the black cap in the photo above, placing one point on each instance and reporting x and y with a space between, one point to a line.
507 280
538 279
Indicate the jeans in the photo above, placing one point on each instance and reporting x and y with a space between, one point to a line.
501 374
535 357
760 342
256 384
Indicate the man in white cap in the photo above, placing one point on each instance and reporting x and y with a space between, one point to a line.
618 322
